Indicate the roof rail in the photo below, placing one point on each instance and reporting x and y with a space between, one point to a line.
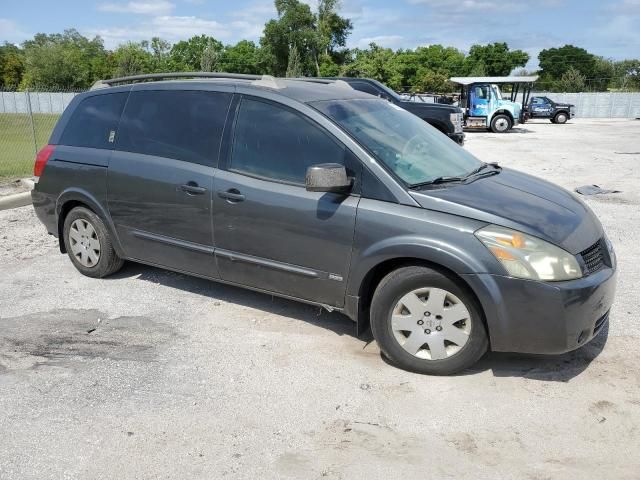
325 81
265 80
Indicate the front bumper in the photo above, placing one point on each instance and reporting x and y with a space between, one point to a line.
544 317
457 137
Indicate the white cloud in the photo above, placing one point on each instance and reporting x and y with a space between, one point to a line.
11 32
150 7
387 41
171 28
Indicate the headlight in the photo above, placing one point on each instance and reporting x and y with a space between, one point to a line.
456 119
524 256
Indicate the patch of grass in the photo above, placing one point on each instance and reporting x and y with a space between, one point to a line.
17 149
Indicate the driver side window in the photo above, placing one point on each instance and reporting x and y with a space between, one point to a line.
273 142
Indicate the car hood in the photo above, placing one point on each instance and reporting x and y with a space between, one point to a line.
564 105
428 107
516 200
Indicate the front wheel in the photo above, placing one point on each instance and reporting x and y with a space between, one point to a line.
425 322
501 124
560 118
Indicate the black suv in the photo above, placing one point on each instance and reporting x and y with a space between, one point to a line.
543 107
446 118
330 196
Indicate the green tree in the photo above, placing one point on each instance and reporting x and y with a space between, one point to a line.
11 66
295 26
555 62
375 62
160 55
132 58
319 38
243 57
571 81
210 57
496 59
626 75
294 65
432 82
332 32
66 60
186 55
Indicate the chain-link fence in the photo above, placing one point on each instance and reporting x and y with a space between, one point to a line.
26 121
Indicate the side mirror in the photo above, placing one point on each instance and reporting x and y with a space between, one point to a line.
327 177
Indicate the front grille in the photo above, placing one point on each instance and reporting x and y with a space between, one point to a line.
593 258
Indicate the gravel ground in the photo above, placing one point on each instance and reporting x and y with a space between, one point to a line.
152 374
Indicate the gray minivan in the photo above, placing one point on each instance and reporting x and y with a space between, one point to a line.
330 196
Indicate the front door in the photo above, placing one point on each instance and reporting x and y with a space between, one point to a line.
270 232
160 177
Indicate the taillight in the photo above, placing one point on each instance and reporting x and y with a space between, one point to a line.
41 159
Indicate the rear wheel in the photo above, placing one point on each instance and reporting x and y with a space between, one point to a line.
560 118
427 323
88 244
501 123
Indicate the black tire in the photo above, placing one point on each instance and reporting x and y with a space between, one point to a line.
501 123
108 261
392 288
560 118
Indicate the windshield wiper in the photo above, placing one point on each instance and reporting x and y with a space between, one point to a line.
437 181
480 173
469 177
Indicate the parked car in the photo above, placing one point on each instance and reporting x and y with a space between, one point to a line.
323 194
446 118
544 107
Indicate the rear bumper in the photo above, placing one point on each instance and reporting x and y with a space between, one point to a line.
542 317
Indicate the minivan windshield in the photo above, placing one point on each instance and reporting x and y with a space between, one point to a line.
413 150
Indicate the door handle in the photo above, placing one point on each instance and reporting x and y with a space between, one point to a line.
192 188
233 195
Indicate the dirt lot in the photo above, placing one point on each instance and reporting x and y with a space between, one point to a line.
153 374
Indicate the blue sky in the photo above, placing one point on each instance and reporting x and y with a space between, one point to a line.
608 28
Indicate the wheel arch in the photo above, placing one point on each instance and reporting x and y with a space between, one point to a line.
72 198
371 279
502 111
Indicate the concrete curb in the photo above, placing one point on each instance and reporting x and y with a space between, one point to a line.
18 199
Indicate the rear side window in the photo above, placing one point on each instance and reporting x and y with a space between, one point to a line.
275 143
366 88
94 121
183 125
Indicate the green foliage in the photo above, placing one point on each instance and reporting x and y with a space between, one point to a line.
377 63
132 59
554 62
11 66
316 36
432 82
66 60
494 59
186 55
294 65
243 57
571 81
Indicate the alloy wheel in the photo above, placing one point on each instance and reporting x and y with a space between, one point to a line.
431 323
84 241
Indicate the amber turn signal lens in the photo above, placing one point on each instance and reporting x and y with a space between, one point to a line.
502 254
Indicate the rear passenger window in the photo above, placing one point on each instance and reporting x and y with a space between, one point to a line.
276 143
184 125
93 121
366 88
